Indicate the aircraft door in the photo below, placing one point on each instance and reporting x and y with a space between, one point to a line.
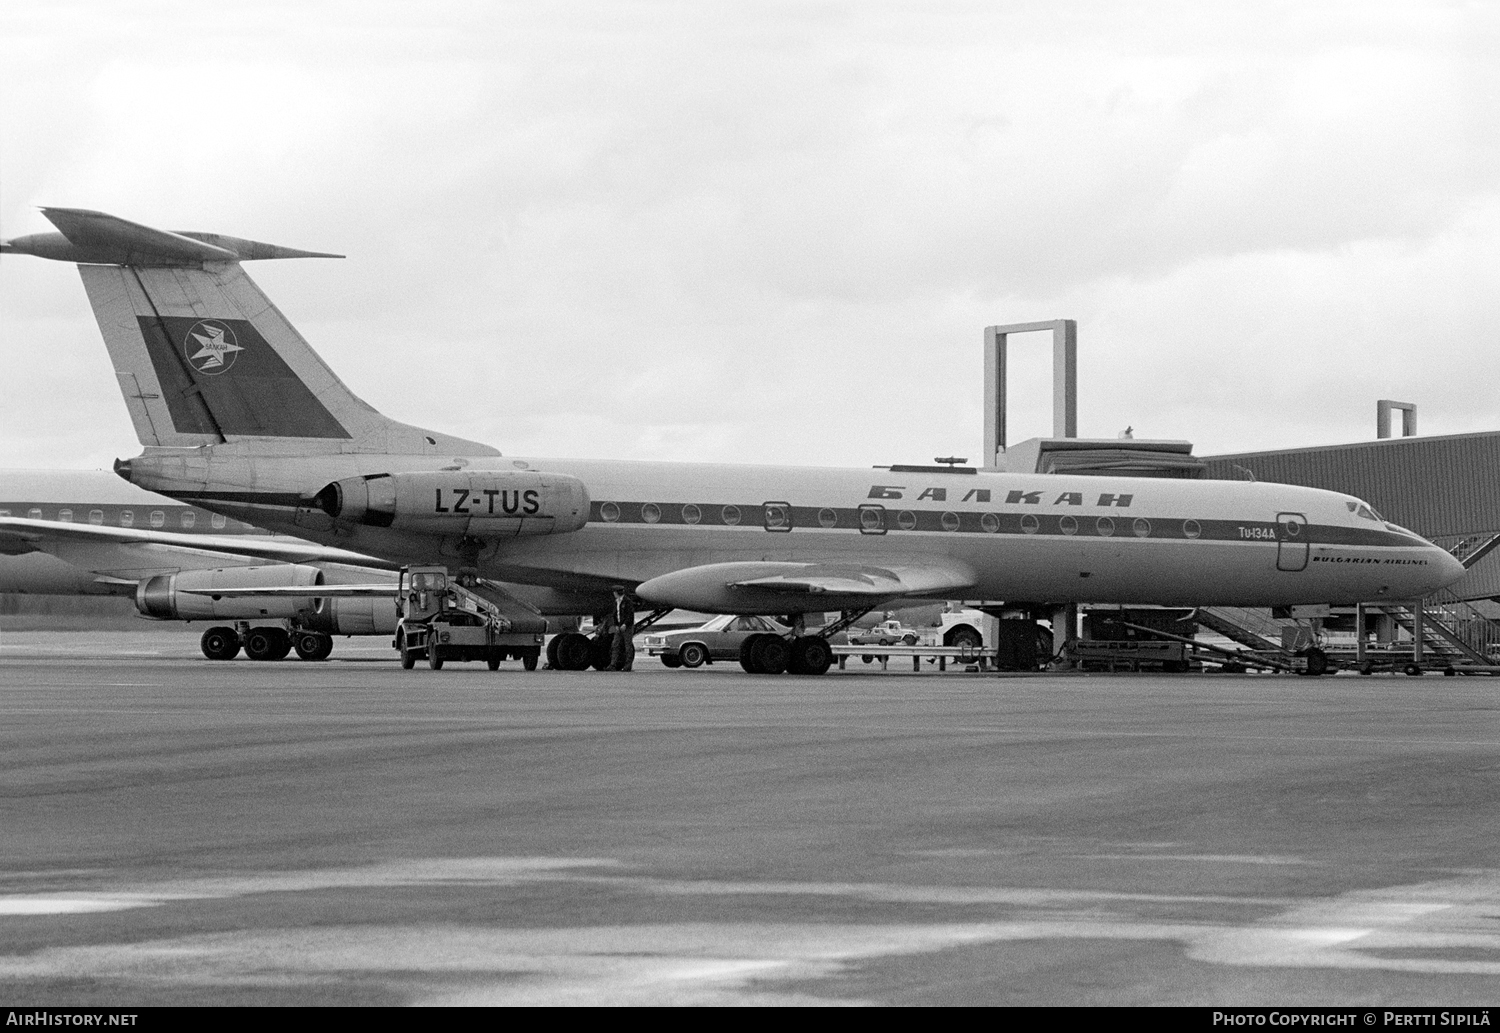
1292 544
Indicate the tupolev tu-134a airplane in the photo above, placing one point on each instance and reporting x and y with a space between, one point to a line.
239 415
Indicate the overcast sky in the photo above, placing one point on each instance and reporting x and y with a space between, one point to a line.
774 232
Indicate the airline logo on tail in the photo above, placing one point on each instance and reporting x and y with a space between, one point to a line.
210 347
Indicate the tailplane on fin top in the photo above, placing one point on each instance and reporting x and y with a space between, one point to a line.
96 237
202 355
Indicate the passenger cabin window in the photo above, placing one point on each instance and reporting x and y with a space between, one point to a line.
65 515
189 518
127 518
219 521
96 516
158 518
4 512
35 514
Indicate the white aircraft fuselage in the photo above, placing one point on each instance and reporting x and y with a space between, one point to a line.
1000 536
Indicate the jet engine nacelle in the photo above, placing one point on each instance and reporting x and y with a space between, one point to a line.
479 503
169 596
361 615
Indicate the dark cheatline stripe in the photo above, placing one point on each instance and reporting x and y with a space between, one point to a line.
285 500
1086 523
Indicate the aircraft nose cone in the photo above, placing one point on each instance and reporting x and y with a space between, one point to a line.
1449 569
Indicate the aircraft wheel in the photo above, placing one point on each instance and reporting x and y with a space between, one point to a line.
310 645
962 636
748 660
771 654
693 654
1366 668
265 643
552 651
599 653
574 651
530 658
810 655
1415 670
434 654
220 644
1317 662
493 661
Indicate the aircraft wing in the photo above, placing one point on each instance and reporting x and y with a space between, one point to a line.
766 587
36 534
387 589
15 543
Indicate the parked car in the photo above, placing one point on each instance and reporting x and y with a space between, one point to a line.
886 633
718 639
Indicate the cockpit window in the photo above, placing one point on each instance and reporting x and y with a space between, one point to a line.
1363 511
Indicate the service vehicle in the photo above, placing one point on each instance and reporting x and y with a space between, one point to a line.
439 619
960 626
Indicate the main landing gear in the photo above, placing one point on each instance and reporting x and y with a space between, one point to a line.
575 651
570 651
220 644
801 654
771 654
264 643
312 645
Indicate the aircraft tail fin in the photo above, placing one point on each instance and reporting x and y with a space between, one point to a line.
203 357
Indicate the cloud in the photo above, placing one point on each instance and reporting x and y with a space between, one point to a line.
775 231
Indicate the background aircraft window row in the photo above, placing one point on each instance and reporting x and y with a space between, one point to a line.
187 518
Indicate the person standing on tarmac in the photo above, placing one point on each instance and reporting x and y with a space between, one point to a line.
622 621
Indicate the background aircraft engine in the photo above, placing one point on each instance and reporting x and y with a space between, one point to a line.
368 615
503 503
165 596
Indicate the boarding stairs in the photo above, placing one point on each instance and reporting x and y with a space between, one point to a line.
1253 628
1451 631
487 597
